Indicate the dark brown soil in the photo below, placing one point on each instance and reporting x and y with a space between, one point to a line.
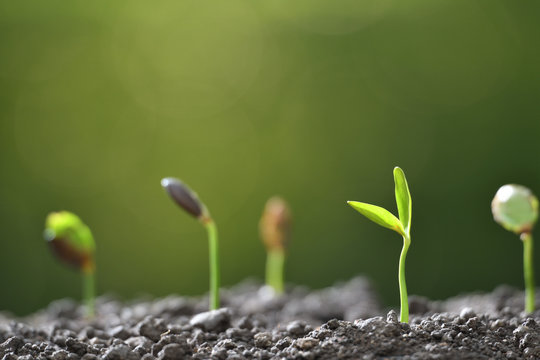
340 322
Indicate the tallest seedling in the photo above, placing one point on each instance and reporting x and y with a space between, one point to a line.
189 201
402 226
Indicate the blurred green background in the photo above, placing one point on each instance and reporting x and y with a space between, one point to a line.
313 100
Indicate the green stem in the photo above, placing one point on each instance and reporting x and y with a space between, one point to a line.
89 293
404 317
275 262
528 271
214 263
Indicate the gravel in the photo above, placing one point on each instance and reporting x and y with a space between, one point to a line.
341 322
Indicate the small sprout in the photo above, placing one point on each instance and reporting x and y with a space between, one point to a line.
189 201
72 243
275 229
402 226
515 208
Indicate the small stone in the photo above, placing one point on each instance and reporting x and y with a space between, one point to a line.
89 357
227 344
521 331
467 313
141 350
297 328
214 320
75 346
497 324
245 323
119 352
219 354
60 355
472 322
97 342
262 354
119 332
306 343
13 343
263 340
152 328
375 324
333 324
392 317
172 352
139 341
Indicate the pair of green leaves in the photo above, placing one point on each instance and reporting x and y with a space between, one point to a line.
384 217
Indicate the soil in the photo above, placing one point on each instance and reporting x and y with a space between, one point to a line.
340 322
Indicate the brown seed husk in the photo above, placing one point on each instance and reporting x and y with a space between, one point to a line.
69 255
275 224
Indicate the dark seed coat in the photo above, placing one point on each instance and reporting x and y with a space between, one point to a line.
183 196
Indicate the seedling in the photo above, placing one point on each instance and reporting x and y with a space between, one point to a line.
402 226
72 242
189 201
275 228
515 208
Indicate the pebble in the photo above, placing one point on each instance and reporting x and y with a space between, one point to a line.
75 346
119 332
213 320
89 357
60 355
139 341
152 328
172 352
298 328
306 343
13 343
263 339
117 352
392 317
467 313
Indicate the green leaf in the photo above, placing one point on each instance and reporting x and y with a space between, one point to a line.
378 215
403 199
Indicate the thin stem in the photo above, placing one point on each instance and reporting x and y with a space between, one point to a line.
404 317
214 263
528 271
89 292
275 262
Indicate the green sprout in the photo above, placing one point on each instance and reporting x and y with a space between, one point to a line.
189 201
402 226
72 242
275 228
515 208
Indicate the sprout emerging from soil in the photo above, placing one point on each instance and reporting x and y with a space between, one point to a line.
402 226
275 229
189 201
515 208
72 242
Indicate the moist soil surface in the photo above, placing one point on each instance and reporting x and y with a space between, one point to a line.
345 321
